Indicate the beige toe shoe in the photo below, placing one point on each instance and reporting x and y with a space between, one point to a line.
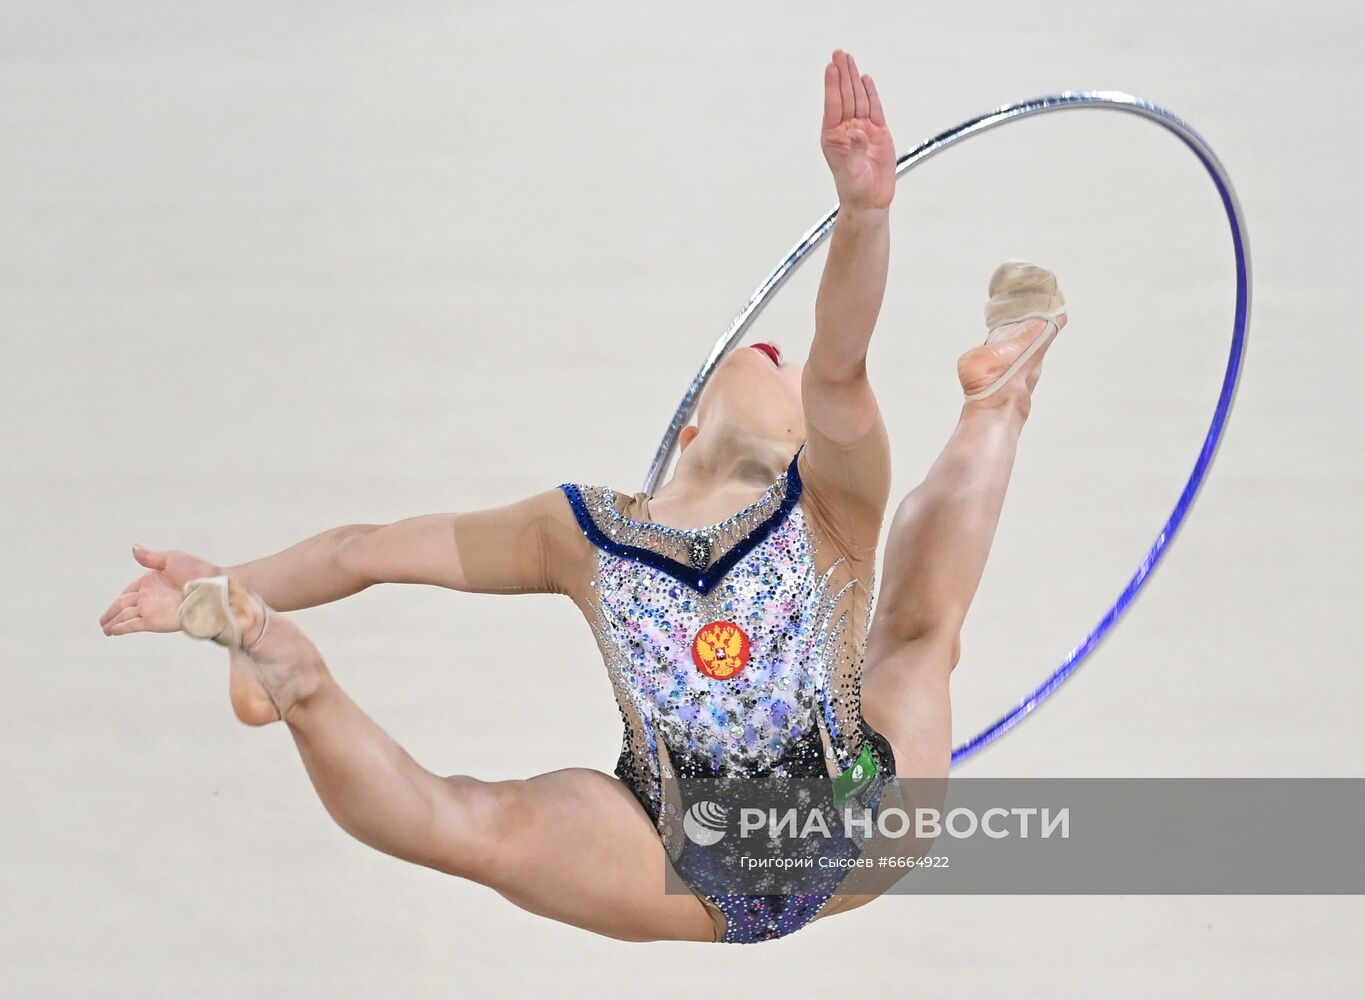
1020 290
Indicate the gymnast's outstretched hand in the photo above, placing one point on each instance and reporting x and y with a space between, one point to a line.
151 603
854 137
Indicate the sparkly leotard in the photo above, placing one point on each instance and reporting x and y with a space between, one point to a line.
730 656
735 651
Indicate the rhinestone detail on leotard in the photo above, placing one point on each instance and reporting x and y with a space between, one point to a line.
698 557
793 710
647 611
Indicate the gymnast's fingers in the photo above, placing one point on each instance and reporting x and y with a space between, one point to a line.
125 600
875 101
126 615
131 625
845 86
833 103
860 106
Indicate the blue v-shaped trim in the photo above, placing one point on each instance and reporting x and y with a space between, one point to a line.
700 580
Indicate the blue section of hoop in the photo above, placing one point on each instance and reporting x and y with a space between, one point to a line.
1178 514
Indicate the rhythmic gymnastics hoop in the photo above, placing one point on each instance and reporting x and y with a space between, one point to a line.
1111 100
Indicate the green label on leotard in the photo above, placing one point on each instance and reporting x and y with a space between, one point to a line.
856 778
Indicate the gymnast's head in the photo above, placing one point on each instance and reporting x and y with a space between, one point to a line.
753 399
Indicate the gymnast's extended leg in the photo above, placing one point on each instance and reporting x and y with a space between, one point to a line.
936 549
573 844
937 544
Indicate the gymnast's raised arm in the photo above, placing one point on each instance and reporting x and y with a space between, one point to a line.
527 547
847 453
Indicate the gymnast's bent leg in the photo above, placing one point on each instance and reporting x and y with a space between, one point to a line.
573 845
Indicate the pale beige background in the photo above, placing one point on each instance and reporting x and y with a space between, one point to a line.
269 268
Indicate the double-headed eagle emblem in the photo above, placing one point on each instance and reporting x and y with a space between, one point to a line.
720 650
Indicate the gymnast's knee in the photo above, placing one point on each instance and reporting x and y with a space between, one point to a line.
473 826
925 643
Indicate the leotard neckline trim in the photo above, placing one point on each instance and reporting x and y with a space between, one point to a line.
700 580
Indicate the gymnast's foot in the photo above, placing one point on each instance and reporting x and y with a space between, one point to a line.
1016 288
283 668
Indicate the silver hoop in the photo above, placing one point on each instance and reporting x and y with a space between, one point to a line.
1105 100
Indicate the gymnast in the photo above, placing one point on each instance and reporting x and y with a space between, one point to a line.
744 646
